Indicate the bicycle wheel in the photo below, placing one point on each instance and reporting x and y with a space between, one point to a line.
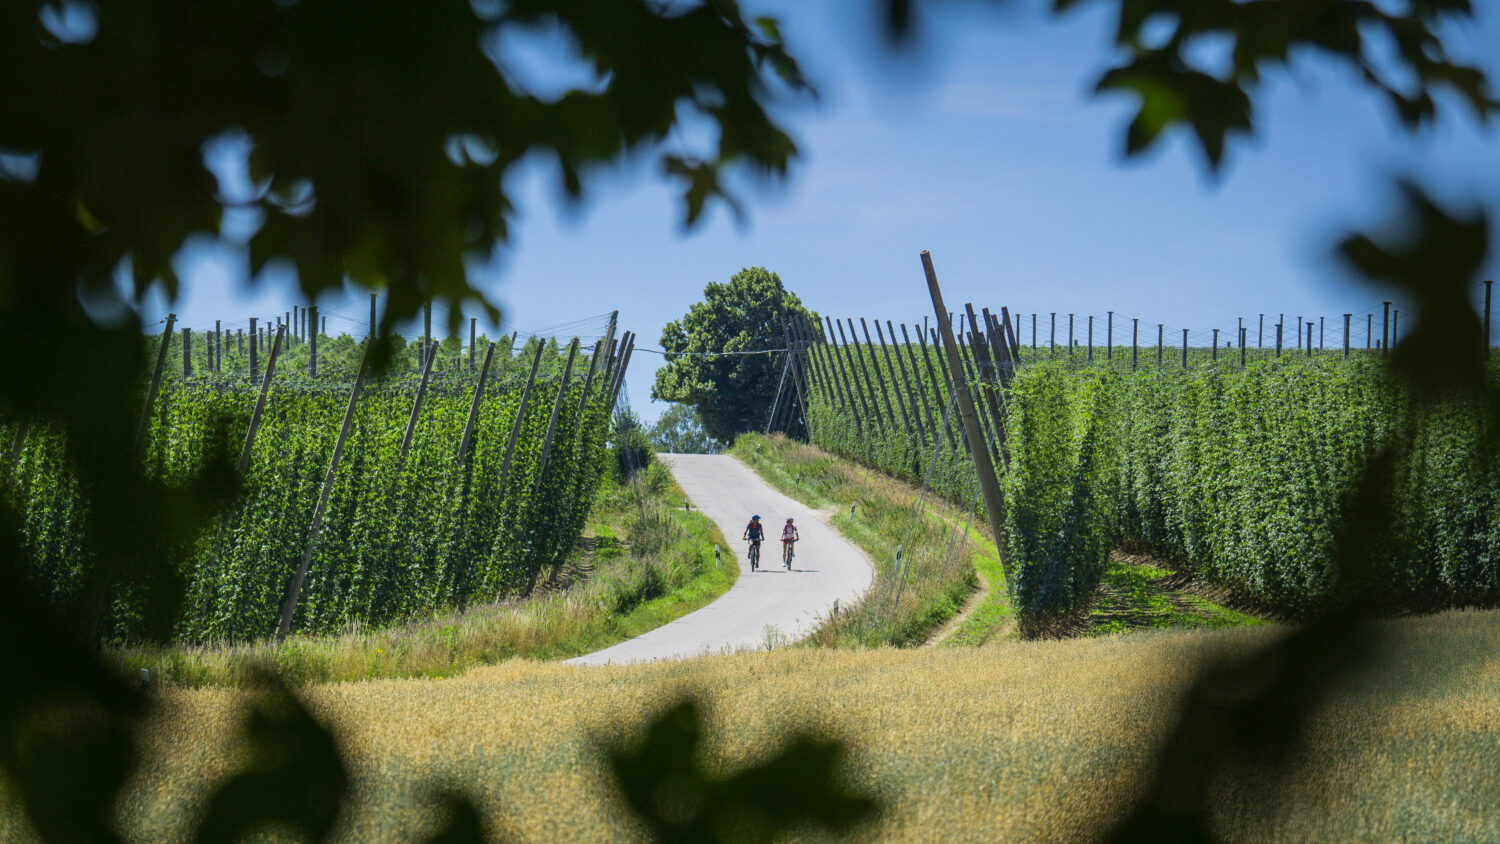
786 555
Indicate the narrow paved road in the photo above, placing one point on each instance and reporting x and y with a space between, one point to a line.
827 568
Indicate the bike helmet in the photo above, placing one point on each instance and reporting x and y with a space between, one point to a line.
755 518
788 521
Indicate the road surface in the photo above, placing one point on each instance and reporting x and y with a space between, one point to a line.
772 601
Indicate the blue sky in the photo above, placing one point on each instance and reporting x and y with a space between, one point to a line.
987 149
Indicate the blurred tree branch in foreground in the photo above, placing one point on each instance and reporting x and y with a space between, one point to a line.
377 138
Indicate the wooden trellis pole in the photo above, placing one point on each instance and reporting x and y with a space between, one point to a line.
416 410
840 384
916 376
988 483
589 381
855 367
161 364
562 388
254 352
294 593
624 367
885 352
837 365
940 389
797 373
484 371
976 383
260 400
515 428
884 393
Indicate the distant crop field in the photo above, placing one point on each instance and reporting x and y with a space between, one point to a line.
1013 741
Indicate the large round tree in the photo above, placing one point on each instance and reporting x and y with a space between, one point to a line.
733 392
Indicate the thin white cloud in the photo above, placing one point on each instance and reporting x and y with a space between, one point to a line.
1052 100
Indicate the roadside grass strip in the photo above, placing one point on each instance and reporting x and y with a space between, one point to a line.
625 577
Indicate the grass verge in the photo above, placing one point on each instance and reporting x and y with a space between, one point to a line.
628 575
994 617
1136 594
909 599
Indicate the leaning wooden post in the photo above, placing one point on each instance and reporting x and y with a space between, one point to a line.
1089 342
1070 335
1109 337
1052 336
624 366
812 369
254 355
416 410
999 348
588 381
294 593
841 378
1488 284
776 400
426 331
855 396
473 323
1184 348
813 361
260 401
878 378
987 382
609 351
1242 346
911 396
1012 335
940 389
791 349
618 371
161 364
1309 338
1385 330
1215 353
484 371
562 388
1160 328
1135 333
889 368
515 428
371 335
187 353
916 377
856 361
976 383
312 341
988 483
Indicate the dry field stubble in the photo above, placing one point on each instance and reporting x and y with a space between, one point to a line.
1016 740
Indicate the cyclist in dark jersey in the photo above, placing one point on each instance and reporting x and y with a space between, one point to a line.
755 533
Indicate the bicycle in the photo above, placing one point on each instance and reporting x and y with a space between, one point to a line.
754 556
787 554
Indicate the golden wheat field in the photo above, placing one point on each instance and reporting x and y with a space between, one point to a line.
1014 741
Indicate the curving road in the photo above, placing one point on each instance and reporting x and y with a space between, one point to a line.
827 568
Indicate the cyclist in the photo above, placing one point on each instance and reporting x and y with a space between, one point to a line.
789 538
755 533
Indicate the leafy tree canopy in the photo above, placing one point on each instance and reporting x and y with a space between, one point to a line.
730 392
680 431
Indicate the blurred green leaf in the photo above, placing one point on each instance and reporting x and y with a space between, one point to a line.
296 776
662 778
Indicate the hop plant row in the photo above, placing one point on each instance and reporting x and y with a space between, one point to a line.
400 538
